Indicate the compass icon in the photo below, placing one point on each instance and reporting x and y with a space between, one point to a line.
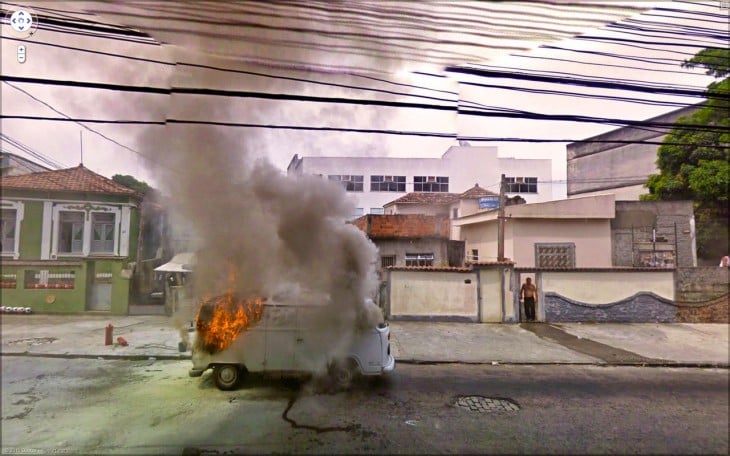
23 22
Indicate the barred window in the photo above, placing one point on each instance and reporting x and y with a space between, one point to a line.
387 183
50 279
430 184
555 255
349 183
387 261
521 184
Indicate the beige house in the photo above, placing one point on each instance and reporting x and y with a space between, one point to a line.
573 233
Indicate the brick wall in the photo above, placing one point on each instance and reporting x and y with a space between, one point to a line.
713 311
695 285
702 295
403 225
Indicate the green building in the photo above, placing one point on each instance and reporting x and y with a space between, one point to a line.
69 242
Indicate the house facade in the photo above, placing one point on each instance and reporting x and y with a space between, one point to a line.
411 240
372 182
69 242
566 233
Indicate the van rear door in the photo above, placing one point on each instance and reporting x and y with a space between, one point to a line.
281 329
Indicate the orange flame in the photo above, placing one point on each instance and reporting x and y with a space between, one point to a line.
222 318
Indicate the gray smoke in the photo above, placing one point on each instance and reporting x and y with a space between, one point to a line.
286 237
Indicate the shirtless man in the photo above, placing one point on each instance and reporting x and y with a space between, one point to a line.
528 292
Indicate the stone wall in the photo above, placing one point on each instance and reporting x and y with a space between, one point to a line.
640 308
702 295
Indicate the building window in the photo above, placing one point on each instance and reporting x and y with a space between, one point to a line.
9 219
430 184
555 255
474 255
102 227
81 230
70 232
377 210
388 183
387 261
349 183
521 184
419 259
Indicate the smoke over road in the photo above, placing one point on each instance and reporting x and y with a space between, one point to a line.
283 237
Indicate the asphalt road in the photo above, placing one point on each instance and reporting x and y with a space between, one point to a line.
79 406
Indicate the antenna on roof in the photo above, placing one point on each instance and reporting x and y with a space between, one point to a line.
81 142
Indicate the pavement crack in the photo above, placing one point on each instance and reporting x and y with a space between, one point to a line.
317 429
607 353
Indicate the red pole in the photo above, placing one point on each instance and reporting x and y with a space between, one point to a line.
108 334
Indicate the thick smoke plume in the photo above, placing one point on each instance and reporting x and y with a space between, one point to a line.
285 237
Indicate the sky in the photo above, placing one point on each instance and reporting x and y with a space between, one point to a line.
361 78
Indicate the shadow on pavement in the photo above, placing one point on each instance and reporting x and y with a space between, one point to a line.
610 355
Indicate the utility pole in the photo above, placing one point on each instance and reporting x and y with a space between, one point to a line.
500 221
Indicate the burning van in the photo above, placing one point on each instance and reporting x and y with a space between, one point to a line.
235 336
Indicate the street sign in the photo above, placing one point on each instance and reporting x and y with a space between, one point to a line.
489 202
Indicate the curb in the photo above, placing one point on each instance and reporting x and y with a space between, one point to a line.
105 357
411 361
668 364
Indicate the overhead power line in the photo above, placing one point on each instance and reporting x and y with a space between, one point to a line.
43 158
86 127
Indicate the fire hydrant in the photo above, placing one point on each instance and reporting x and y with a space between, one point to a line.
109 334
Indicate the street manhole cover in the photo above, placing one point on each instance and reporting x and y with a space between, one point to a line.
483 404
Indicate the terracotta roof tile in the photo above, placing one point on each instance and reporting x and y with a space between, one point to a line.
426 198
78 179
505 262
431 268
476 192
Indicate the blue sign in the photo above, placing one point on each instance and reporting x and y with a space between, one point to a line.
489 202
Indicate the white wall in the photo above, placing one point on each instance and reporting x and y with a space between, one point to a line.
603 287
592 239
465 166
433 294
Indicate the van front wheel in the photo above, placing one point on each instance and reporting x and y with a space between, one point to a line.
226 376
342 372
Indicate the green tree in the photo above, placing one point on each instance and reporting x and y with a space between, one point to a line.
138 186
693 159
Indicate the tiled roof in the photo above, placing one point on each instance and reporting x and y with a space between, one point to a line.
78 179
476 192
431 268
505 262
426 198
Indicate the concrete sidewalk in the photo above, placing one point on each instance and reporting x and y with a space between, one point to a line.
681 344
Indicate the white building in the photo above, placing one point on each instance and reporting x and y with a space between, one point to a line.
375 181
